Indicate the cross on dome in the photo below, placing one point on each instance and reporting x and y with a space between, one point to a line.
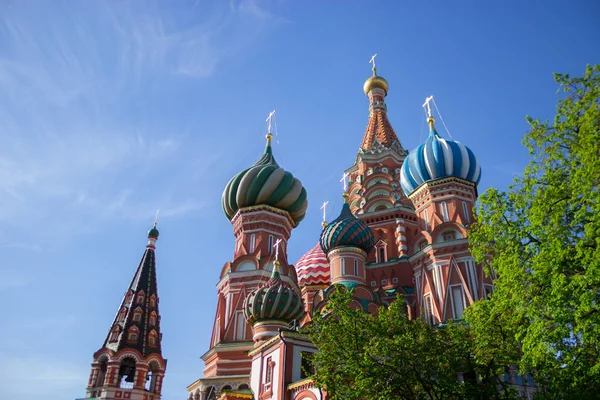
372 62
269 120
426 104
345 180
324 208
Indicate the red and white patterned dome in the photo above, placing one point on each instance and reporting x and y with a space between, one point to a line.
313 268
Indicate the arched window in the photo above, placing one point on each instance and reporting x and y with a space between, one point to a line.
342 266
151 377
381 253
356 267
270 244
127 373
122 313
140 297
114 335
152 338
444 207
252 242
101 373
153 301
152 319
132 334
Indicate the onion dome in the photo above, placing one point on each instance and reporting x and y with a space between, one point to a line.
438 158
375 81
347 230
273 301
265 183
153 233
313 268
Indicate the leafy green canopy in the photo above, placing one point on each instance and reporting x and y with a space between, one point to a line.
542 240
387 356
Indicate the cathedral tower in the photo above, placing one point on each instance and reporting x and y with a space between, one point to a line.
376 198
440 177
130 364
263 203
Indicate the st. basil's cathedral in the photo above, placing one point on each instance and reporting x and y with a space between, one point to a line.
402 230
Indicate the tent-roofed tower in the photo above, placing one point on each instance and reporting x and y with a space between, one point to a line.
375 196
130 363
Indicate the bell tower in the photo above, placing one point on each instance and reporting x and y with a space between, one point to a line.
130 365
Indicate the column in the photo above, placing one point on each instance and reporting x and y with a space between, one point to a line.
401 237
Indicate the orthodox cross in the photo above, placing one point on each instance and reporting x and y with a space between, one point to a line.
276 247
345 180
156 218
269 120
426 104
372 61
324 208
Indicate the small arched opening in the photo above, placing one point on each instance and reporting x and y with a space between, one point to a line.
211 393
151 377
127 373
101 371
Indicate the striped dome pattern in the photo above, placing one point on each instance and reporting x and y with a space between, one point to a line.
346 230
265 183
313 268
273 301
438 158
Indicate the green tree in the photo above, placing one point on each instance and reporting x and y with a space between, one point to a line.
387 356
542 238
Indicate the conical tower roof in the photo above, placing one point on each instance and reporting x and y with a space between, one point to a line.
137 323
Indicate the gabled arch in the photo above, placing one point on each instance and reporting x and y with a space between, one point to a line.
415 244
448 226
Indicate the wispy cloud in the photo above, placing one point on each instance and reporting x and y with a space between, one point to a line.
77 140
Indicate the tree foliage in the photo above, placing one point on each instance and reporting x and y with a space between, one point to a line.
387 356
542 239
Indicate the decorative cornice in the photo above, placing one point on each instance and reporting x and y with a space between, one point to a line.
263 207
346 249
224 347
431 184
305 383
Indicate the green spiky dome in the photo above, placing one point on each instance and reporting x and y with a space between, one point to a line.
346 230
273 301
265 183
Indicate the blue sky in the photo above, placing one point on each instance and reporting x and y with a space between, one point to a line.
111 110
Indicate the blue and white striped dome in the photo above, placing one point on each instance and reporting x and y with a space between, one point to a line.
438 158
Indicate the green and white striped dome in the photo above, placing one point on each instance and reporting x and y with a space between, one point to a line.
265 183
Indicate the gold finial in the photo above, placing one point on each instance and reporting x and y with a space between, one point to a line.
269 138
430 121
276 264
345 196
324 224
